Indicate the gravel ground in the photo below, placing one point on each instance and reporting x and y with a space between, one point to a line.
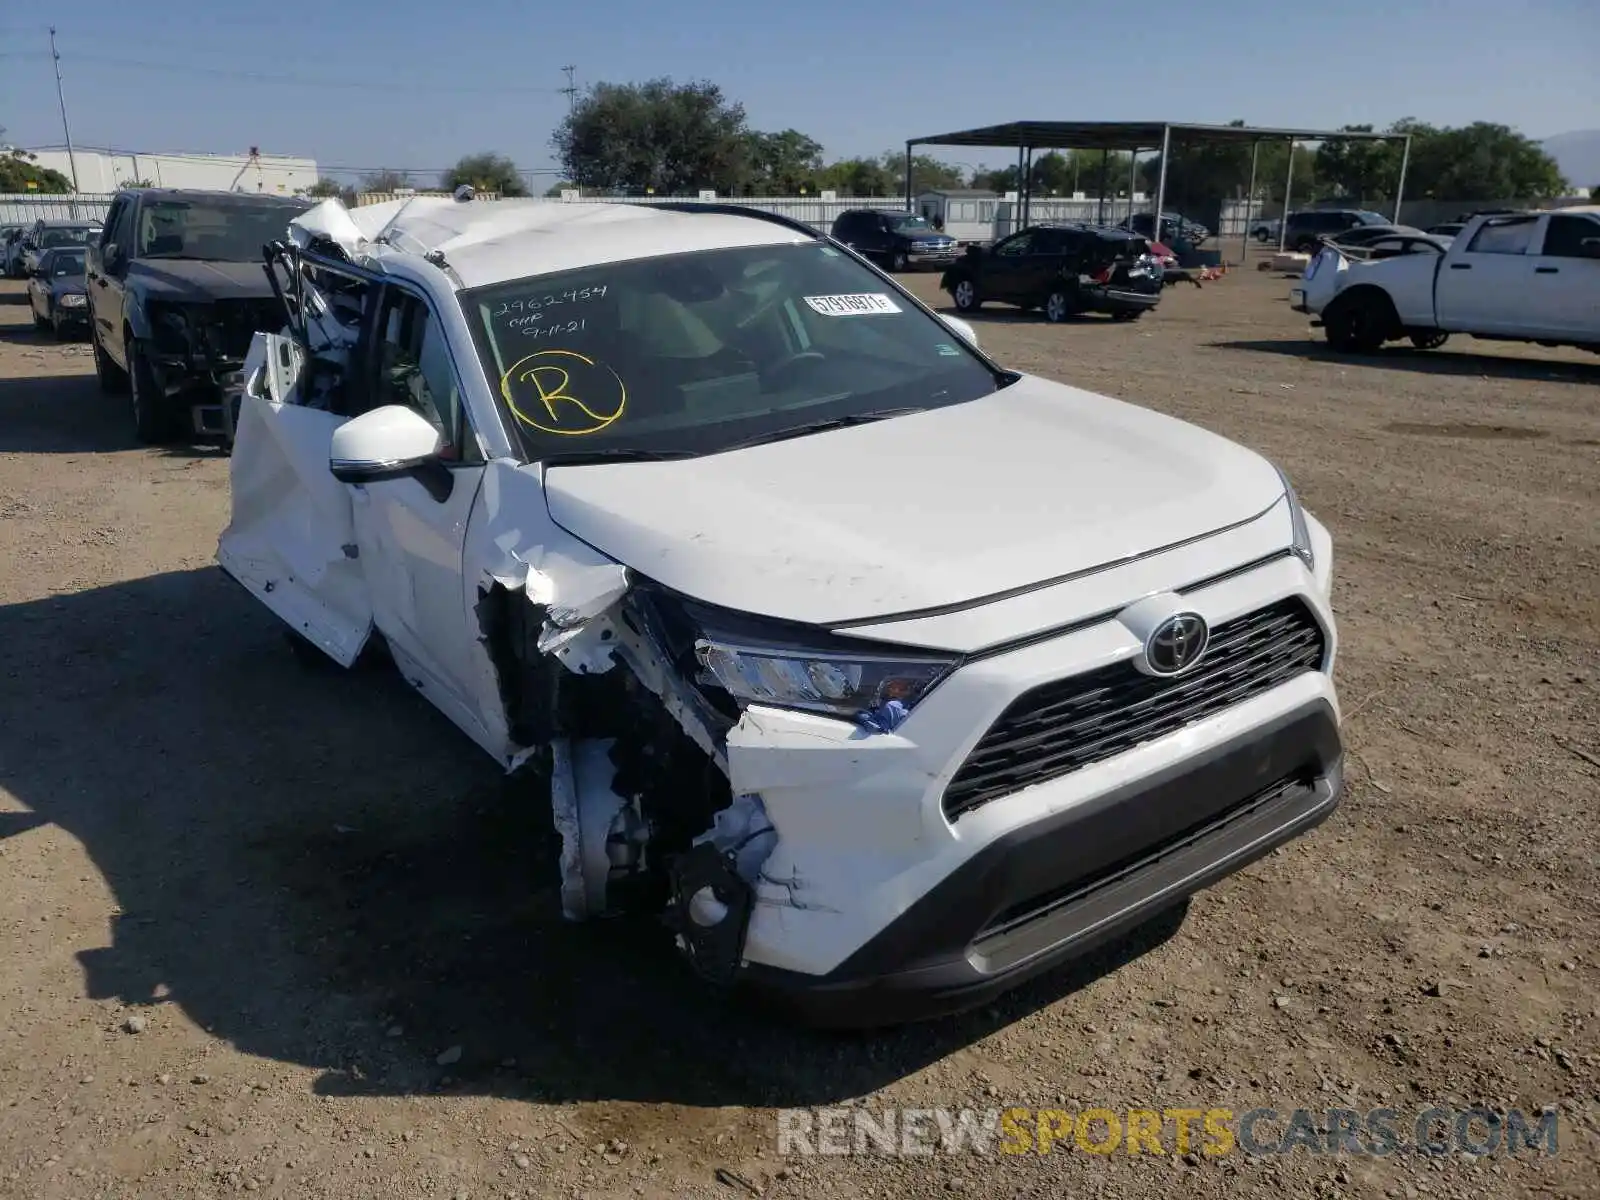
274 929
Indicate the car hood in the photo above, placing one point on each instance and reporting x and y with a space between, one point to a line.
67 287
179 279
946 507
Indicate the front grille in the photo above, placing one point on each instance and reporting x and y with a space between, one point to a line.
1058 727
233 324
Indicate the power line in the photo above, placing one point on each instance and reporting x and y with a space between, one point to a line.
571 90
189 69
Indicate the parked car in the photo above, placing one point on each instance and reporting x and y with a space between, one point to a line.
1266 230
1366 235
8 233
47 235
11 252
56 291
1525 276
1306 228
176 291
612 494
896 241
1063 269
1174 227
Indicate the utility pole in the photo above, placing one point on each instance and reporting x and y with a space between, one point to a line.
72 161
571 90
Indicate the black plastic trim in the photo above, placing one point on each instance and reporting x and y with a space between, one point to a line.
1139 849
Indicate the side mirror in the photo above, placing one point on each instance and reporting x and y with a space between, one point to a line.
389 443
1590 247
961 328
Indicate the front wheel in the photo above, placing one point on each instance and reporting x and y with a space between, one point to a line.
1430 339
965 294
112 378
1058 306
152 414
898 261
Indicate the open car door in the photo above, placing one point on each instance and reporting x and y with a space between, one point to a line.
291 541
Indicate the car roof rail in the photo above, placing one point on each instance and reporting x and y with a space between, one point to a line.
741 210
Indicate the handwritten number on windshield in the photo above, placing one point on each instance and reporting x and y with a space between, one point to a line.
537 304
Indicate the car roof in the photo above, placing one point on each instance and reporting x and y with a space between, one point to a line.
219 196
494 241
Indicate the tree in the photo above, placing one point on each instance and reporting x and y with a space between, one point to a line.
927 173
659 134
135 183
1481 161
386 180
322 189
782 163
862 177
486 172
19 169
1359 169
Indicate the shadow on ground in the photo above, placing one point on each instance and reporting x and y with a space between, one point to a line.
1428 362
307 860
69 414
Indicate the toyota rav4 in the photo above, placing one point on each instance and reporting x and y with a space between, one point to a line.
887 676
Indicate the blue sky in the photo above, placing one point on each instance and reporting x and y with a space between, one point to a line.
419 84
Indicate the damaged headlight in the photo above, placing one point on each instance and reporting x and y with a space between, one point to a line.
169 327
840 685
1301 532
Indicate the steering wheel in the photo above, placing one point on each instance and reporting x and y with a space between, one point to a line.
784 366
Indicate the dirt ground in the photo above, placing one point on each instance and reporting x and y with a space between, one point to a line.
274 929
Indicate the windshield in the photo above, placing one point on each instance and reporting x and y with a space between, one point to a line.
75 236
66 263
909 223
699 352
230 231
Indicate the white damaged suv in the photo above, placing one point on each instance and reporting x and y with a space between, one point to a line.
888 676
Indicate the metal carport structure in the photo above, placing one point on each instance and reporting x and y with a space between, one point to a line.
1138 137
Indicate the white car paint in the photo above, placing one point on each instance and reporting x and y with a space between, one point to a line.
1496 278
1020 528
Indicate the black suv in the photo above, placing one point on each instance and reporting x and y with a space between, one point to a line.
177 290
895 241
1064 269
1306 228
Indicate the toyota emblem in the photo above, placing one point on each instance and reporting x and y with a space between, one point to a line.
1177 644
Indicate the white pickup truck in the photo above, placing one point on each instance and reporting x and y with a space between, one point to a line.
1532 277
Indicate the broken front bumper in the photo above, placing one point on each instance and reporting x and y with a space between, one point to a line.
885 899
1050 891
210 391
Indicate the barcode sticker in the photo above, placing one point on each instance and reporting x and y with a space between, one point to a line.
862 304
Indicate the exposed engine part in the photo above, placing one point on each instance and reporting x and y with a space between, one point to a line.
710 911
744 831
604 836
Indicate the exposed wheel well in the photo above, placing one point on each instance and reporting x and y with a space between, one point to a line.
1366 294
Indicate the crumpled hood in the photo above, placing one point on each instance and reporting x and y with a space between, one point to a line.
940 508
180 279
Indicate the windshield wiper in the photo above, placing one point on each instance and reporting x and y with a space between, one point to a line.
866 418
578 458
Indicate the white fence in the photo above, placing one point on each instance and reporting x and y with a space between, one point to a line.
24 208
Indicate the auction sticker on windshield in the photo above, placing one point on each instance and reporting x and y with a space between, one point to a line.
860 304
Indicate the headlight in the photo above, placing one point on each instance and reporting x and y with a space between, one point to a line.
818 681
170 328
1301 532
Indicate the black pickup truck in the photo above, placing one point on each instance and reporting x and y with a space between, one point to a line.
177 290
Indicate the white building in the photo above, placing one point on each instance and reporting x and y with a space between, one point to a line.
101 171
